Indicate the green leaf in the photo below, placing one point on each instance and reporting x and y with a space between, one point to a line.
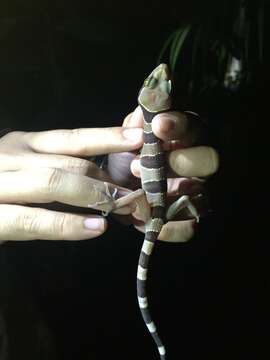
177 45
165 47
177 35
196 45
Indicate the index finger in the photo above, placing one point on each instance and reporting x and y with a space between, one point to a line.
85 141
185 127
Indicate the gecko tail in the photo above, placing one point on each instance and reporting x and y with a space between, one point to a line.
146 251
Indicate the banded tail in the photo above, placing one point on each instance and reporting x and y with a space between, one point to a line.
146 251
154 97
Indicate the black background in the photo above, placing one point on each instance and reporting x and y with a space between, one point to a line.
67 65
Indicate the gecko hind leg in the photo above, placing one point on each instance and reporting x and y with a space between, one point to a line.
178 205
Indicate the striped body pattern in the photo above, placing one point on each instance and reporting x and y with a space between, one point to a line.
154 98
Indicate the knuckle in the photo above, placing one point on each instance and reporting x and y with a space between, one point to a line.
79 165
60 225
75 138
52 178
107 134
27 223
76 132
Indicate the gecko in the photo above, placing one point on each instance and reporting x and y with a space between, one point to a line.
155 97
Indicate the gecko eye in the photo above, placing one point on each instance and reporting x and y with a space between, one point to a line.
150 82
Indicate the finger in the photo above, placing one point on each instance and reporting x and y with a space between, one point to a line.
175 231
185 162
48 185
185 127
119 171
85 142
23 223
126 120
134 119
185 167
69 163
184 186
179 126
197 161
57 206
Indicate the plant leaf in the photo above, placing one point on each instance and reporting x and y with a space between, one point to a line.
196 44
174 42
165 47
178 45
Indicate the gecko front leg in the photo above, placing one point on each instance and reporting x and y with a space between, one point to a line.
125 200
107 204
114 201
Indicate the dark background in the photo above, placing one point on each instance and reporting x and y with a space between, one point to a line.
67 65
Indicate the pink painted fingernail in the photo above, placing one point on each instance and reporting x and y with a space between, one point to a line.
133 134
94 223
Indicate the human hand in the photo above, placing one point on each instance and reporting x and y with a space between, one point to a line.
189 165
41 168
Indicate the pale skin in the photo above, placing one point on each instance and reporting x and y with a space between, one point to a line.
189 165
41 171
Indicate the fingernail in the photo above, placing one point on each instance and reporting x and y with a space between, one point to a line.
168 122
94 223
133 134
135 167
134 117
169 125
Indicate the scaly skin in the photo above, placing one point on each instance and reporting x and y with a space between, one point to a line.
154 97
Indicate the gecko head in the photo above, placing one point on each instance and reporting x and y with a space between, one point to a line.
155 93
